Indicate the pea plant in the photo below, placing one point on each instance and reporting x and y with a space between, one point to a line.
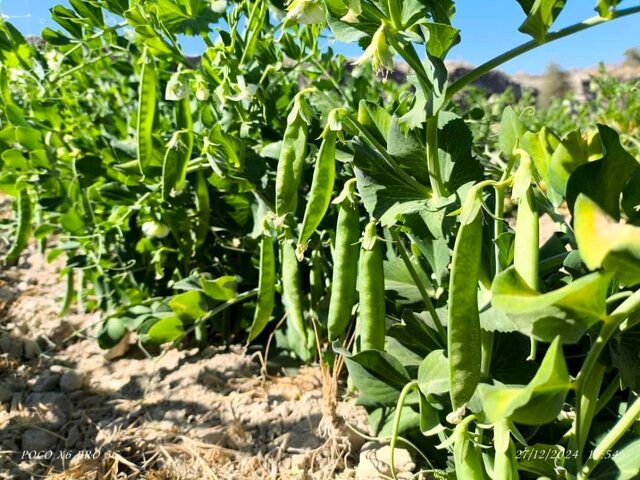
271 187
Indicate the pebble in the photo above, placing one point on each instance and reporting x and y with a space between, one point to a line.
375 461
299 461
46 382
73 436
71 381
31 349
11 346
5 392
34 439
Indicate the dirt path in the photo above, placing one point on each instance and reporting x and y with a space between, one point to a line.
67 411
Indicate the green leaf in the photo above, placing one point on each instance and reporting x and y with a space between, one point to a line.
540 147
606 7
537 403
222 288
398 279
377 375
442 37
29 138
68 20
457 164
511 130
433 374
540 16
566 312
574 150
381 188
89 10
378 122
605 243
603 180
165 330
407 150
72 222
111 332
189 305
624 463
631 199
625 356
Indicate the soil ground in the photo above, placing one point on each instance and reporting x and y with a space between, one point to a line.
71 410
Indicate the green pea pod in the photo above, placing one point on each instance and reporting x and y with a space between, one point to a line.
23 232
176 159
526 244
203 205
467 458
179 149
292 156
291 289
266 287
371 317
345 257
147 94
324 177
505 466
463 339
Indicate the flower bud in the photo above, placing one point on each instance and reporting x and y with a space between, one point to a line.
378 50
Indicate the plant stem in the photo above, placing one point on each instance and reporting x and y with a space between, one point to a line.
610 439
410 56
408 388
416 279
433 162
477 72
607 394
395 13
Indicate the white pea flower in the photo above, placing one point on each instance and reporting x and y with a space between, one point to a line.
305 12
54 59
355 10
245 92
218 6
155 230
177 88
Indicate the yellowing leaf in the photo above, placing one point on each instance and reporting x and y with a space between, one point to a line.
605 243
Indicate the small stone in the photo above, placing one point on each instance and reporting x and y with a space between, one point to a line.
46 382
71 381
212 436
73 436
31 349
5 392
11 346
38 440
375 461
299 461
19 383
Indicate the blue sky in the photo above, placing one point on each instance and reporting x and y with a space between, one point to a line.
488 27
